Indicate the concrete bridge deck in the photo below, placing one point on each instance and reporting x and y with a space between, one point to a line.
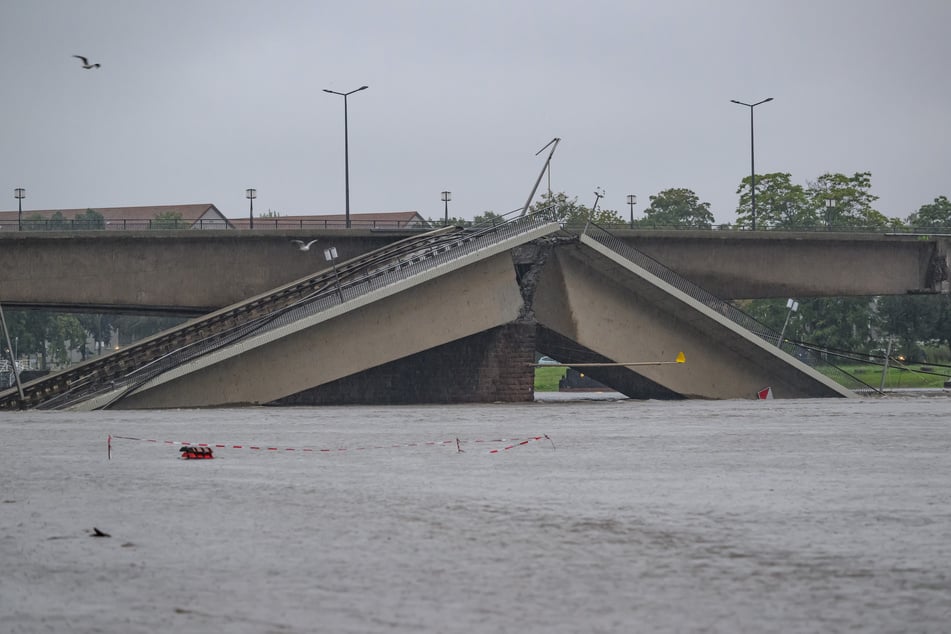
195 272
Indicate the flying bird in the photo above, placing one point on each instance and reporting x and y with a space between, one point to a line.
303 247
98 533
85 62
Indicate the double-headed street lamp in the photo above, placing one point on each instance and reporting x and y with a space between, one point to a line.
19 193
251 194
446 197
752 155
632 200
346 146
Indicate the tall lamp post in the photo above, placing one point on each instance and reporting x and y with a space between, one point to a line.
331 256
752 155
632 200
19 193
793 306
346 147
446 197
251 194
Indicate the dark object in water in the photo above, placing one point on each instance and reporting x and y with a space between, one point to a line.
196 453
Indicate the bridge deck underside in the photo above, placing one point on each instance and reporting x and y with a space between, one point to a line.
624 317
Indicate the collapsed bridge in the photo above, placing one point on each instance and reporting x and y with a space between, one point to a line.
453 315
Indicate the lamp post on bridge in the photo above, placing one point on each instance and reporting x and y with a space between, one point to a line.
752 156
346 148
446 197
331 256
19 193
632 200
251 194
793 306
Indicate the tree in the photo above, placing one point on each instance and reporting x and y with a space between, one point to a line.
97 326
851 201
572 213
932 216
49 335
168 220
57 222
89 219
779 203
488 217
916 319
677 208
843 323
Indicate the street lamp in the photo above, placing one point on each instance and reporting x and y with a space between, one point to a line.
830 209
19 193
598 195
752 160
346 146
632 200
251 194
793 306
331 256
446 197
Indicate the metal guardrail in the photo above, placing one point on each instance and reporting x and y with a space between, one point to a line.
808 356
415 261
279 223
173 224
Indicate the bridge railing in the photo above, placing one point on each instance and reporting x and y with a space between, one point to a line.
417 259
808 356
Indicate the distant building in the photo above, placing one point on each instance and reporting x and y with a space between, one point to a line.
198 216
381 220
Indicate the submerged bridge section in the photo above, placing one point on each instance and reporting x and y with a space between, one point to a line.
453 315
606 302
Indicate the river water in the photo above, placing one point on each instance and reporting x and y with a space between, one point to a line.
730 516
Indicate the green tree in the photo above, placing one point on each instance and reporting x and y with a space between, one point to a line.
851 201
569 212
915 320
843 323
51 336
780 204
168 220
97 326
58 222
488 217
89 219
34 222
936 215
680 208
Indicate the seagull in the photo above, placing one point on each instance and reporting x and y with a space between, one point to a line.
303 247
98 533
86 63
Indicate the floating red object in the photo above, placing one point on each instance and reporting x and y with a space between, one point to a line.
196 453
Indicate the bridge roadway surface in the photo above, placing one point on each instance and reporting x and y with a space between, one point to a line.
196 272
583 299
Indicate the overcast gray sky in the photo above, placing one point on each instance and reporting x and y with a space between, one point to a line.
198 100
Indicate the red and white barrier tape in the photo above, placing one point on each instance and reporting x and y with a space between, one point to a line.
518 442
